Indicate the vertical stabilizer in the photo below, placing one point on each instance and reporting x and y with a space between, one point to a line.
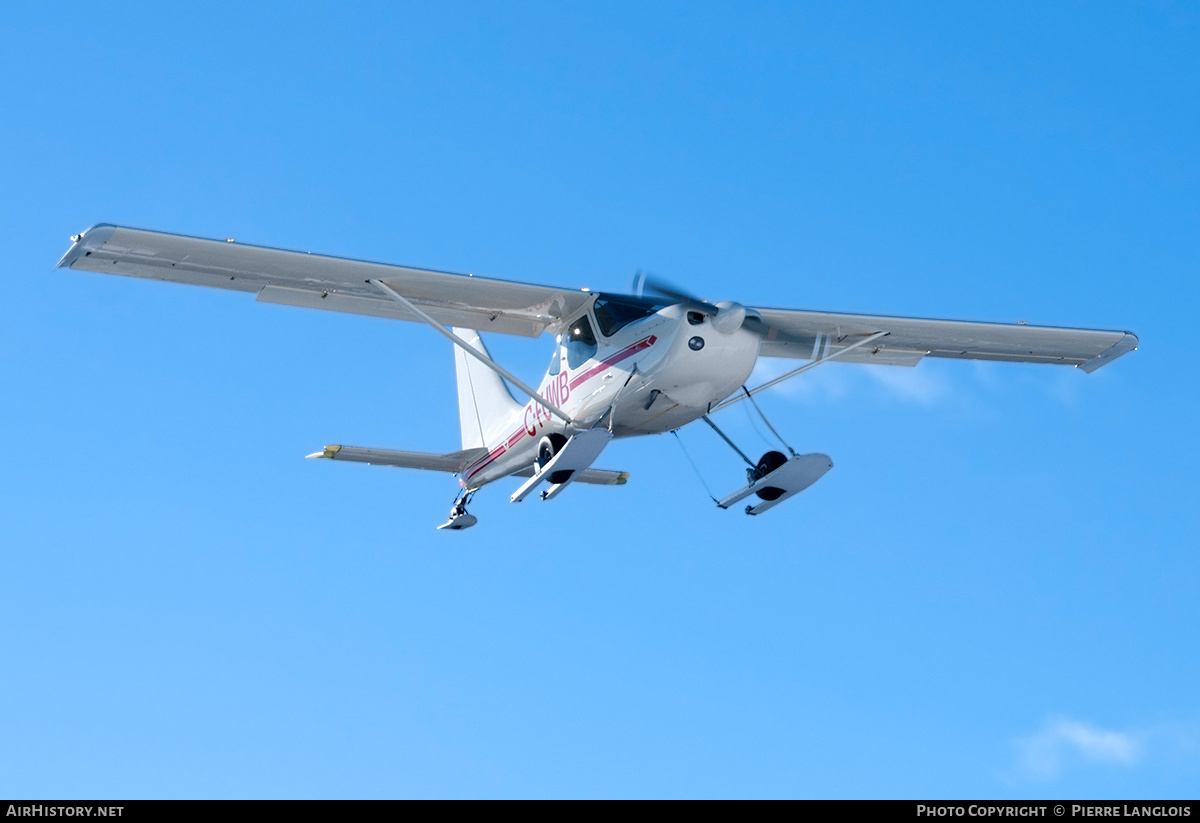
485 405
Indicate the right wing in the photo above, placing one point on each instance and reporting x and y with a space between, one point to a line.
321 282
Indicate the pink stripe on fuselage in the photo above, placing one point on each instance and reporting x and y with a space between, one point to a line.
628 351
515 437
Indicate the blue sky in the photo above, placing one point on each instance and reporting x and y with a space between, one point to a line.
993 594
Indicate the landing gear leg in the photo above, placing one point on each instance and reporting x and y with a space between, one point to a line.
459 518
775 477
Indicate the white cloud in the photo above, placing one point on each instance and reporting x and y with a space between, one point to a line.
913 384
1063 743
836 380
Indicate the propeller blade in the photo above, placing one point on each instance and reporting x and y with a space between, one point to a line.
727 317
645 283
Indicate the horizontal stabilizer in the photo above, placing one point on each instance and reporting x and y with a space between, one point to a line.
597 477
452 463
791 478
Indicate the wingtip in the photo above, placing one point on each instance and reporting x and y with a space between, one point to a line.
327 453
93 237
1127 343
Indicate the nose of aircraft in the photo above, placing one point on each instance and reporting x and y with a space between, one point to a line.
729 317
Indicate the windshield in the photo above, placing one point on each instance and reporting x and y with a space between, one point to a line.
614 312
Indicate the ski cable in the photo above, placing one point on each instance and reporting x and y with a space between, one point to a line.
695 468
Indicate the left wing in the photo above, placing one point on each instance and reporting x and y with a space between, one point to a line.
321 282
813 334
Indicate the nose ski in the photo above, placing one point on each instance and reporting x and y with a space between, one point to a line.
790 478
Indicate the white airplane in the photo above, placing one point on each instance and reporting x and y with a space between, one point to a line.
623 365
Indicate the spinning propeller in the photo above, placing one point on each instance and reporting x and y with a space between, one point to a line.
727 316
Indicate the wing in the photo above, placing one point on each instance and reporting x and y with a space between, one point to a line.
811 334
317 281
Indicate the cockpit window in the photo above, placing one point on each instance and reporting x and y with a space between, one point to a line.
556 358
615 312
581 343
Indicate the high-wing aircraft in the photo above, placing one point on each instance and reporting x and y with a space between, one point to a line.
623 365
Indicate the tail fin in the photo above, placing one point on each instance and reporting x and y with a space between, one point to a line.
484 402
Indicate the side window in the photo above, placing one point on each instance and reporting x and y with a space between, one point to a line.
556 358
581 343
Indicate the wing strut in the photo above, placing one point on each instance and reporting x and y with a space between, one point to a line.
725 437
462 344
803 368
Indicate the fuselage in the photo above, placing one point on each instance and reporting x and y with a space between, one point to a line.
631 371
